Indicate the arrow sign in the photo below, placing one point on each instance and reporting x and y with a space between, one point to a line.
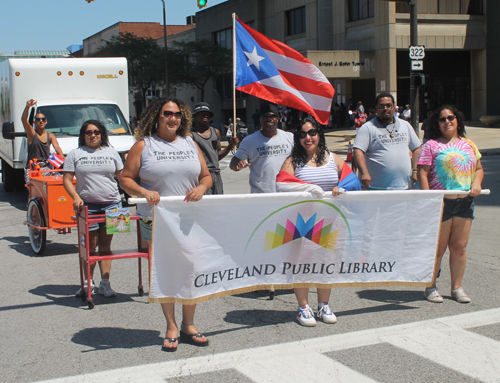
417 65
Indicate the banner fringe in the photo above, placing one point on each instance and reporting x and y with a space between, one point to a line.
250 289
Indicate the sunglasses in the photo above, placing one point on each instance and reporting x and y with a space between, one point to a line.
383 106
168 114
93 132
44 119
268 116
450 118
311 133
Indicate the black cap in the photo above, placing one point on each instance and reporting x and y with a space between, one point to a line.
202 107
266 108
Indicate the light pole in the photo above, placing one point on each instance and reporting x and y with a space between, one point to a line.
167 90
413 86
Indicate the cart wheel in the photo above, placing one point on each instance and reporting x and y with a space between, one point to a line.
91 304
38 237
141 291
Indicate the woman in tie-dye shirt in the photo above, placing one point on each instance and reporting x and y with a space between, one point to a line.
449 161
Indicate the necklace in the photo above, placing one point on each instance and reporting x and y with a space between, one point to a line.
390 132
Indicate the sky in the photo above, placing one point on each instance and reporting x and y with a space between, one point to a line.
57 24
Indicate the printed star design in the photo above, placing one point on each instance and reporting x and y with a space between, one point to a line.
254 58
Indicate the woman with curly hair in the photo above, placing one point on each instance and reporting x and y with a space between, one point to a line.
169 163
312 162
449 161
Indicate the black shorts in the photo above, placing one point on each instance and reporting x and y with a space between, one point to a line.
460 207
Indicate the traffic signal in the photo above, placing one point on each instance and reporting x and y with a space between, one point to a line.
202 3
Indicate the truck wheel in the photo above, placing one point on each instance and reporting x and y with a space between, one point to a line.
38 237
8 175
19 180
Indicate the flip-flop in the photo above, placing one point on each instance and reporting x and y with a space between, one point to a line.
171 341
188 338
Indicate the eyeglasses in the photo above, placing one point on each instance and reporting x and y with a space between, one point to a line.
383 106
93 132
168 114
44 119
311 133
268 116
450 118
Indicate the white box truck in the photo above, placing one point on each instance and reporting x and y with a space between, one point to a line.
68 91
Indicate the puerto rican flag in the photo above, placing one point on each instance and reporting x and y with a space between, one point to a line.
273 71
285 182
55 160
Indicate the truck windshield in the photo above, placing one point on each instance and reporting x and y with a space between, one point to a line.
68 119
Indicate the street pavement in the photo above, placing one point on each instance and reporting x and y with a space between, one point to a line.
382 334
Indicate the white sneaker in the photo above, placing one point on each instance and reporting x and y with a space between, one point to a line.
432 295
305 316
105 289
460 296
325 314
83 292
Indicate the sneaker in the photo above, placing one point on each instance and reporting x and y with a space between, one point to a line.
81 293
105 289
460 296
325 314
432 295
305 316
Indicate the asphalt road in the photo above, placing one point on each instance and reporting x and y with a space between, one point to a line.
384 335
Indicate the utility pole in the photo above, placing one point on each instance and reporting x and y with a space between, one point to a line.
167 88
413 74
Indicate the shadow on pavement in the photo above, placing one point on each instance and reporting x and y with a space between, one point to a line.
15 199
22 245
103 338
64 295
392 296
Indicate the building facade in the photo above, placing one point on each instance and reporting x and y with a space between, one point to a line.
362 47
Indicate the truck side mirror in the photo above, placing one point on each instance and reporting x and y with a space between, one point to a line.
8 132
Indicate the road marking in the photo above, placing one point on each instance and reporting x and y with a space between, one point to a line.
445 341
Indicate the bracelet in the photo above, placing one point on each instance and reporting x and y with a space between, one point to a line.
414 170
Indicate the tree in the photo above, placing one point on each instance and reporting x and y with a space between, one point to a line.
196 62
145 59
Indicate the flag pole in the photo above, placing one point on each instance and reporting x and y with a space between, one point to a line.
234 74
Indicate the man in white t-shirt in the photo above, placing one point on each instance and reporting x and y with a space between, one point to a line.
382 149
264 152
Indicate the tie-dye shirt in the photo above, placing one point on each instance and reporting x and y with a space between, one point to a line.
452 164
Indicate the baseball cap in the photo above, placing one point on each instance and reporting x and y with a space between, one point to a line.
202 107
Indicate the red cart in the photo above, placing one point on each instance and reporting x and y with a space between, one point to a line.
83 222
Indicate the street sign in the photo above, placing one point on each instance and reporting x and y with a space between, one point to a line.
417 65
417 52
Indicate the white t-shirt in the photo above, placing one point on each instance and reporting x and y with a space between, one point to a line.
95 171
266 156
387 158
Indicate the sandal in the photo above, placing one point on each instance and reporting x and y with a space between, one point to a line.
190 338
171 341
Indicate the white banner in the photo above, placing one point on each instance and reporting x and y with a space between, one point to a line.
232 244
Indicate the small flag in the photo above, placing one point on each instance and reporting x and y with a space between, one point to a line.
273 71
55 160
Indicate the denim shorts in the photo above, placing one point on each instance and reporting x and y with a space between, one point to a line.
146 229
460 207
100 208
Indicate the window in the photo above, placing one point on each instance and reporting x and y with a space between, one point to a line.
224 38
296 20
361 9
452 7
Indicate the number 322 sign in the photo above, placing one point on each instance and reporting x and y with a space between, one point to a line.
417 52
